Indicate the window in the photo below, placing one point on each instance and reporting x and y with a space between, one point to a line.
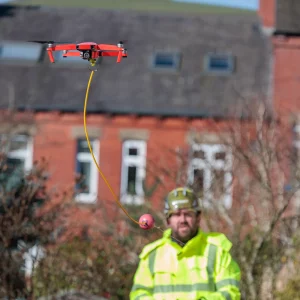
19 151
210 173
21 51
85 166
133 171
296 136
219 63
31 258
295 155
166 60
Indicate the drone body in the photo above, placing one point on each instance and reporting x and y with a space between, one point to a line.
90 51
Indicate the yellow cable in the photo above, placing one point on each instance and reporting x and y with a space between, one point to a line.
98 167
87 138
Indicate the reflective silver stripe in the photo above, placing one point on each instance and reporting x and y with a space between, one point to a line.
142 287
226 282
152 256
163 289
226 295
140 296
212 252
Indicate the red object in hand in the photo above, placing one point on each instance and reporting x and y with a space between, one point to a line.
146 221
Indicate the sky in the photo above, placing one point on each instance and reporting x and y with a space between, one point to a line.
249 4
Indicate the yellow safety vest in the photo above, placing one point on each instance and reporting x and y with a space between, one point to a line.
202 269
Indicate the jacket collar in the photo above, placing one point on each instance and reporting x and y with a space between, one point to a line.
167 236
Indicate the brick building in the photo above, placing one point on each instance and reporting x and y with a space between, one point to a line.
182 71
280 20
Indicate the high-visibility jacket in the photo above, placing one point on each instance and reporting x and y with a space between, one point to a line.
202 269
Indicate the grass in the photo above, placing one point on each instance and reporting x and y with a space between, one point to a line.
140 5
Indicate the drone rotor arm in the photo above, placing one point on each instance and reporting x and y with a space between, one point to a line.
106 47
118 53
63 47
71 54
110 53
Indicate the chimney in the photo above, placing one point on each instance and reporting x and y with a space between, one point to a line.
267 13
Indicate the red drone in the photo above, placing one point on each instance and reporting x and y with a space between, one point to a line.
88 50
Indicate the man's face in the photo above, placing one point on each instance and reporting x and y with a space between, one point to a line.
184 224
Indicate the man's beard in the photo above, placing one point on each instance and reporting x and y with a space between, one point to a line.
184 233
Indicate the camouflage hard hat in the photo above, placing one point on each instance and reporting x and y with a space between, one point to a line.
181 198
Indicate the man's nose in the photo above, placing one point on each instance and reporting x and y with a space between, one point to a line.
182 217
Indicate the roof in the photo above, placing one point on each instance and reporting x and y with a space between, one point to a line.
132 86
140 5
288 17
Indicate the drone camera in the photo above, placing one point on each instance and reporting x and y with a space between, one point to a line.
85 54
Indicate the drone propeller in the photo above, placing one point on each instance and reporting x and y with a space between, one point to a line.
49 42
123 42
42 42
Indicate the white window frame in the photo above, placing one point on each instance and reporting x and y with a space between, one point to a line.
32 258
138 161
20 53
228 57
207 165
90 197
23 154
296 131
175 56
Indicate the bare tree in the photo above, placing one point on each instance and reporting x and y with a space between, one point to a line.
29 214
265 185
247 177
99 258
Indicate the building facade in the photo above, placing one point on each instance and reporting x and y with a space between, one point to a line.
181 73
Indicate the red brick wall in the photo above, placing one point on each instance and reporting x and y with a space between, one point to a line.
54 141
287 75
267 12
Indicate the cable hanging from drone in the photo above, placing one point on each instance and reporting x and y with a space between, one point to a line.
89 51
146 221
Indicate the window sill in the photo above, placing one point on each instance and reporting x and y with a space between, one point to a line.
86 198
132 200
